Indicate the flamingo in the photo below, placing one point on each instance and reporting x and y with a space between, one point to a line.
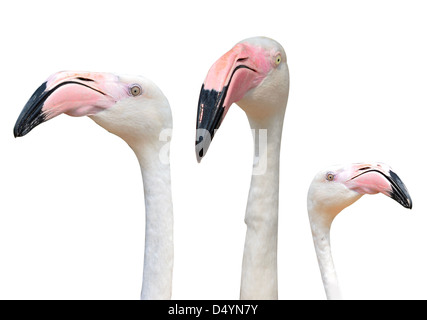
136 110
254 74
336 188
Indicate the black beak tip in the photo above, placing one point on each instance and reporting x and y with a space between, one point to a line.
32 114
24 125
19 131
406 202
400 192
210 114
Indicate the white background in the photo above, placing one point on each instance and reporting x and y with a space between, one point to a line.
71 204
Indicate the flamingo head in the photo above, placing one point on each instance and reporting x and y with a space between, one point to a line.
336 188
126 106
254 74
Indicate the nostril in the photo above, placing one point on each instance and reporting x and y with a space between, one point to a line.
364 168
85 79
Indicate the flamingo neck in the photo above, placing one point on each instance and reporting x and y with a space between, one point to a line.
158 256
259 268
320 229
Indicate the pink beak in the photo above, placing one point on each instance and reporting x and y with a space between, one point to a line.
73 93
229 79
377 178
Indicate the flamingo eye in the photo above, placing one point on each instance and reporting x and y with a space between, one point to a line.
135 90
330 176
278 60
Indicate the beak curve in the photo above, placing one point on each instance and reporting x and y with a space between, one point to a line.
212 108
380 178
31 116
75 94
229 79
399 191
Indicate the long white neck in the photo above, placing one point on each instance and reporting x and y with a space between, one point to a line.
259 268
320 228
159 252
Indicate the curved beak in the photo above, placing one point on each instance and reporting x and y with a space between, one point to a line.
379 178
228 80
31 116
73 93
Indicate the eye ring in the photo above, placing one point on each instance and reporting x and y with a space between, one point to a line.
330 176
135 90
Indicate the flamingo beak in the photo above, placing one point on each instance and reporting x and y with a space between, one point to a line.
228 80
31 116
379 178
73 93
